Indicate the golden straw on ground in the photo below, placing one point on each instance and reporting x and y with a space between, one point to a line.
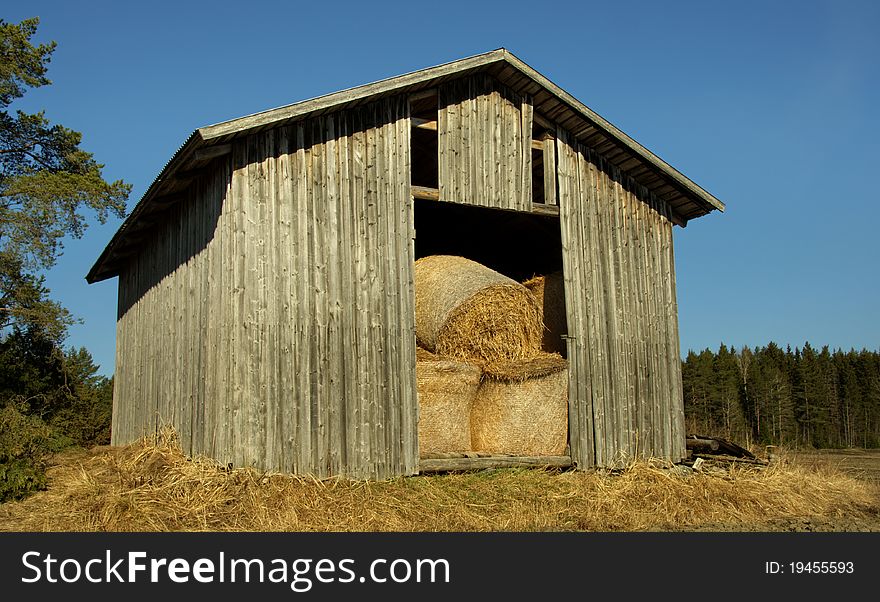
152 486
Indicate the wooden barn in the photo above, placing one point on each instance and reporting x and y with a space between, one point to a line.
266 303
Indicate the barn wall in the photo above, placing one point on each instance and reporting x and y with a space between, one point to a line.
270 319
625 394
484 136
163 332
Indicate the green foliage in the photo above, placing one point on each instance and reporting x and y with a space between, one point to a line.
86 416
801 398
22 65
25 303
45 179
25 441
49 398
48 187
61 388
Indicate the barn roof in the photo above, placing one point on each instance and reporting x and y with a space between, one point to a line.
687 199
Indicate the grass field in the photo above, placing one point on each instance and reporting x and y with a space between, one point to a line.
152 486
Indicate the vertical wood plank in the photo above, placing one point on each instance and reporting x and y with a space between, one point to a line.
304 333
484 138
525 154
575 246
549 155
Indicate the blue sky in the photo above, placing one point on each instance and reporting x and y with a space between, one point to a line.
770 106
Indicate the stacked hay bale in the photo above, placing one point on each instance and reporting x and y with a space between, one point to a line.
447 389
549 290
471 319
521 407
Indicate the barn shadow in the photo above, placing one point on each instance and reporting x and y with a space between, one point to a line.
186 226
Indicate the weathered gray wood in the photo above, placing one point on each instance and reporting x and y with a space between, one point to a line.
212 152
543 122
544 210
428 194
549 150
268 321
303 336
522 174
429 465
624 350
319 350
484 138
292 301
582 403
283 285
405 241
701 445
422 95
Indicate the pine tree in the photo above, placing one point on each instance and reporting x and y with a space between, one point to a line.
46 180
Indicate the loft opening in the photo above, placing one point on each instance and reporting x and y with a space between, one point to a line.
425 149
517 244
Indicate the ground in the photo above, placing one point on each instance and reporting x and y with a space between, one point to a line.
861 464
153 486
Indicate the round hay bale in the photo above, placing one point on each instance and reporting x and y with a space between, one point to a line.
468 311
549 290
521 408
446 392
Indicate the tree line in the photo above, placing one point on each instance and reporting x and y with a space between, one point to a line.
51 397
804 397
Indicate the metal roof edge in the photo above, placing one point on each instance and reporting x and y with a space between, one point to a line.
326 101
192 142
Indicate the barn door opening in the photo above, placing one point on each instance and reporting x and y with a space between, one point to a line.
475 409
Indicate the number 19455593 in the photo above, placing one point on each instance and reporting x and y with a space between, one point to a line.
815 567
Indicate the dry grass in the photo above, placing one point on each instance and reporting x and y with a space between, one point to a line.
152 486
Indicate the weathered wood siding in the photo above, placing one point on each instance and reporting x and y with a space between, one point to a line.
625 396
484 141
270 318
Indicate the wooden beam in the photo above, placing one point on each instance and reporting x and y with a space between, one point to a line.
212 152
424 124
677 219
450 464
701 445
537 145
541 209
182 176
168 200
544 123
425 193
422 94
